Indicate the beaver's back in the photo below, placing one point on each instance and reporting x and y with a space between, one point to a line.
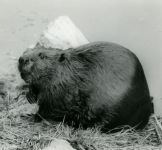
118 84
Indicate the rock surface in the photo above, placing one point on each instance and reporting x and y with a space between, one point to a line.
59 144
62 34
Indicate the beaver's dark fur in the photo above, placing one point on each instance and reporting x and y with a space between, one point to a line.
96 84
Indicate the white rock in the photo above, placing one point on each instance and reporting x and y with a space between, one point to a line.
63 34
59 144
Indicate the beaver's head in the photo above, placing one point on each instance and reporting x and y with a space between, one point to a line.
39 64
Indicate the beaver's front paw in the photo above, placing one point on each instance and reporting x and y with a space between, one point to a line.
31 97
37 118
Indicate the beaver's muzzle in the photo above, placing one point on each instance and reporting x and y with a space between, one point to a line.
23 61
24 68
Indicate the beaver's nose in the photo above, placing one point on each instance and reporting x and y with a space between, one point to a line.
23 60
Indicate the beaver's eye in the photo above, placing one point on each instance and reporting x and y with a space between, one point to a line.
42 56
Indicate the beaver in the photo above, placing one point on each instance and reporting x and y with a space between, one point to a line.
100 83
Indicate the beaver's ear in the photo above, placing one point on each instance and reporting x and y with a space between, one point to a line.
62 57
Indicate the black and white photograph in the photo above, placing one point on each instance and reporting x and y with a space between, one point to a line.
80 75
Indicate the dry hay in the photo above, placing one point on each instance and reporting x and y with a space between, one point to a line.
21 133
